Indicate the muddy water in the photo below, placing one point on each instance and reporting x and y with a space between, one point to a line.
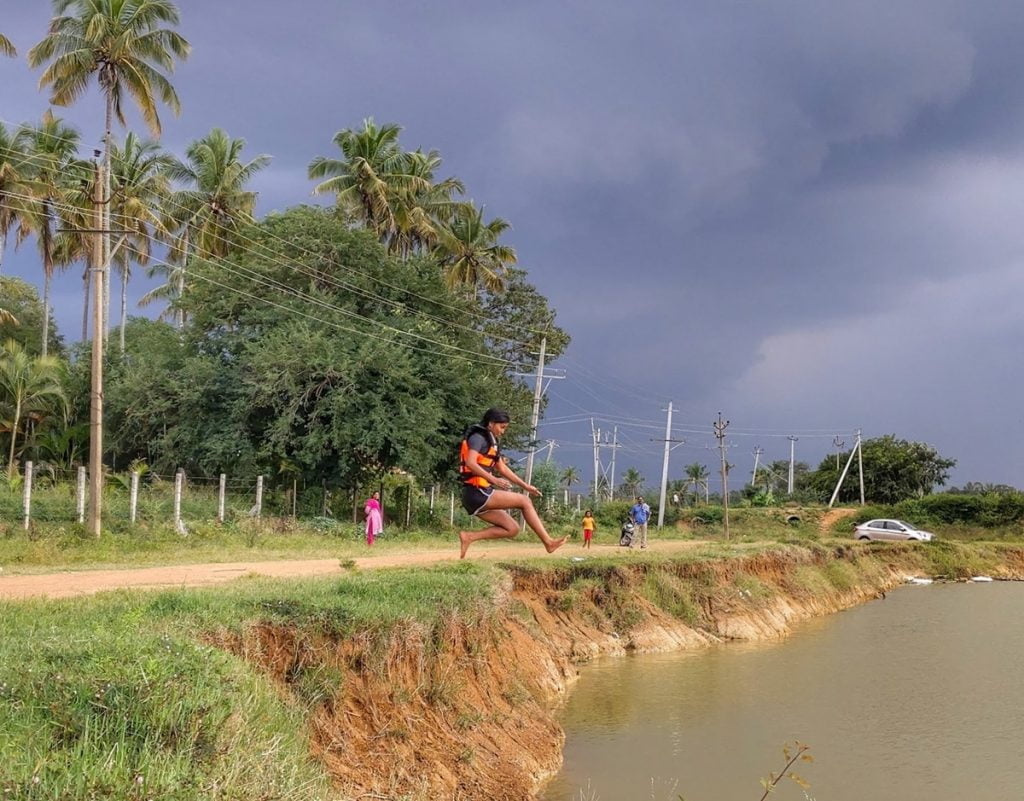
917 697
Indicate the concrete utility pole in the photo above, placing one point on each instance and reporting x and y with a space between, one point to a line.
839 443
860 466
595 434
720 427
615 449
664 466
792 456
757 455
97 268
538 391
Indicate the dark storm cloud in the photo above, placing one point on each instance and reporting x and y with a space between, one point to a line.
805 214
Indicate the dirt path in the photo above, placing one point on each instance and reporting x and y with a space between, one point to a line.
831 516
86 582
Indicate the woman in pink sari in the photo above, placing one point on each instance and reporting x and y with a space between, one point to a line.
374 518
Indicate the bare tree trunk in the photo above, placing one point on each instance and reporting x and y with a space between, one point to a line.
46 311
124 303
3 247
14 436
106 220
181 278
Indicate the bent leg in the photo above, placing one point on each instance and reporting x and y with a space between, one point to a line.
500 499
502 527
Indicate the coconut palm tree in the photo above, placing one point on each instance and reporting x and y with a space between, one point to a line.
373 173
422 205
12 186
469 253
632 480
30 388
52 152
6 317
7 47
124 44
212 206
139 181
697 476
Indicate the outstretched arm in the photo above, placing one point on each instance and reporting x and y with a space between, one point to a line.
510 474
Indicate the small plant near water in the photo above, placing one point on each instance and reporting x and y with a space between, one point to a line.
792 753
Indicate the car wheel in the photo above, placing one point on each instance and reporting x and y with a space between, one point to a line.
863 537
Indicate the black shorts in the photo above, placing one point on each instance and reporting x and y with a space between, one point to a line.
475 498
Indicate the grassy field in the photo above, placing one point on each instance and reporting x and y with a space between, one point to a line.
119 697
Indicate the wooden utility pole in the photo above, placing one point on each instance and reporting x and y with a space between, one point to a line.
96 388
720 427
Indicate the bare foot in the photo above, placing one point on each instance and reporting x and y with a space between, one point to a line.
554 545
463 543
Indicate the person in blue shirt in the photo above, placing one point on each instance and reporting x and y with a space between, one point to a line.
640 513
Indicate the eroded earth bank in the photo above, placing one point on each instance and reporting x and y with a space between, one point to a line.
469 711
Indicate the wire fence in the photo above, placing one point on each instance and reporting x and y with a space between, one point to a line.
46 494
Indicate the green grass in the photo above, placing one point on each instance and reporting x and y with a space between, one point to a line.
118 697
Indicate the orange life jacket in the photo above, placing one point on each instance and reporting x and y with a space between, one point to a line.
486 460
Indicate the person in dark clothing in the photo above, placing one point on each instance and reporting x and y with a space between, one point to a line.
486 485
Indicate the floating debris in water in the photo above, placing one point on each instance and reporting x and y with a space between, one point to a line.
981 578
917 580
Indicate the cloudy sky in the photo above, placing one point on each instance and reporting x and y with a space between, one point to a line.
806 215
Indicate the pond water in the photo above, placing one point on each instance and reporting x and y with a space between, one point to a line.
915 697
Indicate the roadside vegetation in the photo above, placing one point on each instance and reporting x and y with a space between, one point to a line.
191 694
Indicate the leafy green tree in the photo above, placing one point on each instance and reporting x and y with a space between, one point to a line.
30 389
514 321
212 206
21 301
319 357
52 152
894 470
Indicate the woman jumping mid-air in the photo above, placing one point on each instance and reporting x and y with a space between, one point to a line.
486 481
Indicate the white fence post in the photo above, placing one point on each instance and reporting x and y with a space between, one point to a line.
259 496
179 480
451 513
220 497
81 494
27 496
133 497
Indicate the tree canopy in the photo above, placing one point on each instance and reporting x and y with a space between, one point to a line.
312 347
894 470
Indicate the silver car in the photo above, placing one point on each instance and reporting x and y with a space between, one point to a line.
890 530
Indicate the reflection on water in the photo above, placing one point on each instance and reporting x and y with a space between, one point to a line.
918 697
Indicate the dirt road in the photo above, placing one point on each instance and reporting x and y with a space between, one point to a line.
86 582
